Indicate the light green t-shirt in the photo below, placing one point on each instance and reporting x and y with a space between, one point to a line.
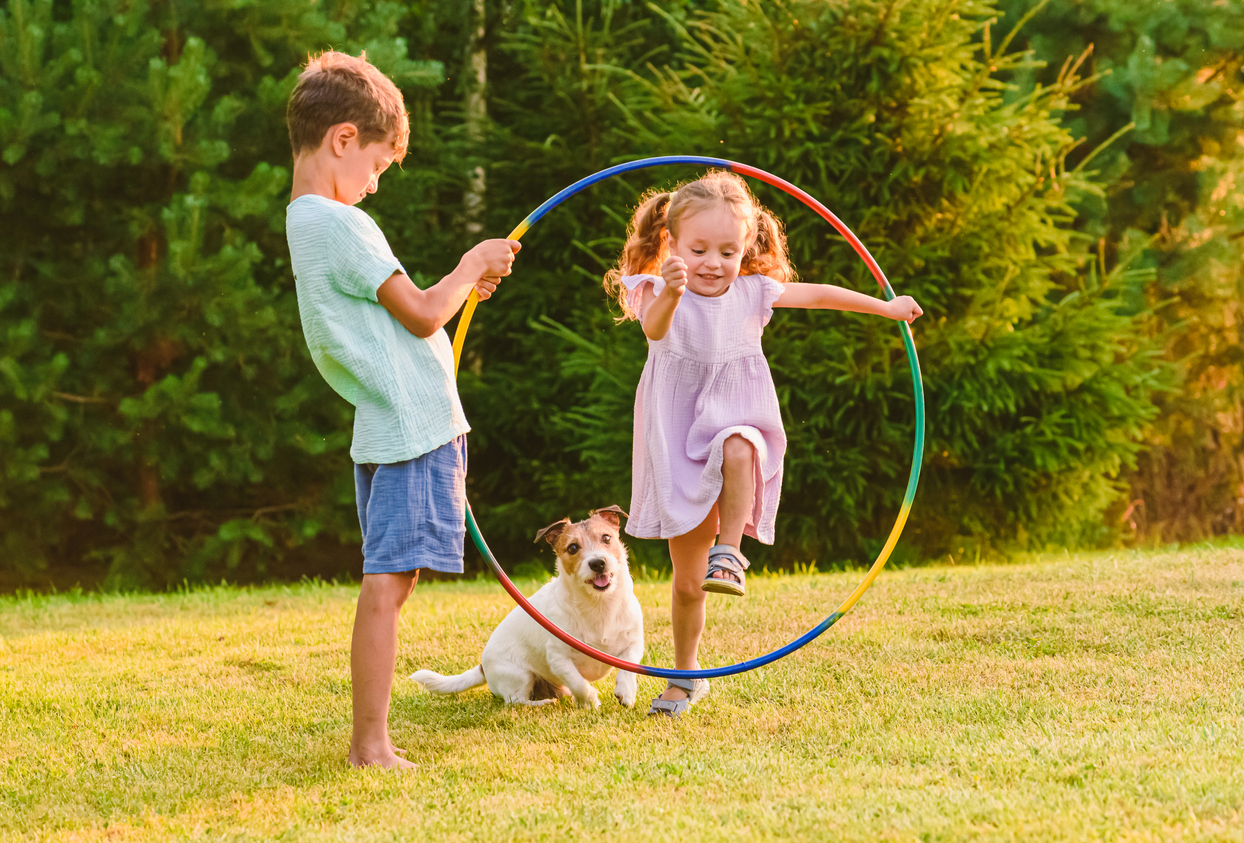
402 386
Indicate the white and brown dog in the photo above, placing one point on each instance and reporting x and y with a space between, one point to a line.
592 598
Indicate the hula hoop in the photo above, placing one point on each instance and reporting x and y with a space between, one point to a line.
917 451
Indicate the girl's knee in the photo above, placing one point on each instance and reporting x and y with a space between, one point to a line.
736 450
687 590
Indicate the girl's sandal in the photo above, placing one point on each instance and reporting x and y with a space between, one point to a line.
695 688
728 559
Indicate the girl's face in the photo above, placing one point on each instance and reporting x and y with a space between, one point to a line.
711 243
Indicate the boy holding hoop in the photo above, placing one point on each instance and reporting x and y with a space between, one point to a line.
378 341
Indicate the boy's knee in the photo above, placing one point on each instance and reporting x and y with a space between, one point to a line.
391 590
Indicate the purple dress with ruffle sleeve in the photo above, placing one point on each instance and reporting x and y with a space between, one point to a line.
704 381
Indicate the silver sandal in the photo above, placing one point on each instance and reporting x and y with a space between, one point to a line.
696 690
726 558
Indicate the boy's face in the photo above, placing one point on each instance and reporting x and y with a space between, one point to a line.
358 167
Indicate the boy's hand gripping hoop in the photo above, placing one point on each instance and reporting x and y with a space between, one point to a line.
917 451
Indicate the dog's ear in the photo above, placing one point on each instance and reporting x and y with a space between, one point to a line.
611 513
551 532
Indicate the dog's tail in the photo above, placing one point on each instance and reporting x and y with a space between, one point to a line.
438 684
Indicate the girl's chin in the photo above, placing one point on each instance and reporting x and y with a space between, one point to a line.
708 289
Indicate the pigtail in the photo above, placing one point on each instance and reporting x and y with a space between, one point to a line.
767 254
644 251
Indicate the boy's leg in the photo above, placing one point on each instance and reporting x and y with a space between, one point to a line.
373 658
689 553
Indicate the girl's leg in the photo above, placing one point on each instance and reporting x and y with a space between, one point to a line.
689 553
738 492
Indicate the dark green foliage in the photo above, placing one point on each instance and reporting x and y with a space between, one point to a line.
893 116
1174 73
158 407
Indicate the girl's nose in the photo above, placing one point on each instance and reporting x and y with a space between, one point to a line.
372 184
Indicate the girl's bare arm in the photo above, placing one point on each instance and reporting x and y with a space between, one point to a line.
830 297
659 308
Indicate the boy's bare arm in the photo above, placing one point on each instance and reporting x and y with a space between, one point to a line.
424 312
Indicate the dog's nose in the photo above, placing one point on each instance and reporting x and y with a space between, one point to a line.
597 565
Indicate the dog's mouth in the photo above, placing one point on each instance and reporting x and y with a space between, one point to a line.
600 582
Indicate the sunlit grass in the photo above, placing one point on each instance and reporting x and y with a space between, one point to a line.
1084 697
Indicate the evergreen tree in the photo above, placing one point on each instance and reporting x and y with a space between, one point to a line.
1038 383
1170 99
158 410
157 405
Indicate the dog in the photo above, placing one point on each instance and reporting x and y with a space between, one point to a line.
592 597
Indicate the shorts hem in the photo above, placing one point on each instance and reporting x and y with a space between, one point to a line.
442 566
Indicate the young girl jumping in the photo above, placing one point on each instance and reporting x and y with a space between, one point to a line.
709 443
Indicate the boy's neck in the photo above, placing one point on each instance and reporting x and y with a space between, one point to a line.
312 177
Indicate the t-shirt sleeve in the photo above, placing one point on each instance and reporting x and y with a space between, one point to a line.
770 292
359 256
636 285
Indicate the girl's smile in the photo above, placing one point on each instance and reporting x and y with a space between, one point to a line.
711 243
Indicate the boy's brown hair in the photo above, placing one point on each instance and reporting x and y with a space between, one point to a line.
339 88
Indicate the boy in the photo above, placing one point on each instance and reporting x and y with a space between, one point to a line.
378 341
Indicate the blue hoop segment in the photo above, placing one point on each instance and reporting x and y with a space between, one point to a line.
917 450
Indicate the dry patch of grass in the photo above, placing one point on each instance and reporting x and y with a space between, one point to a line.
1086 697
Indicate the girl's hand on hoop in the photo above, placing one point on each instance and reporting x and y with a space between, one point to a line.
904 308
674 271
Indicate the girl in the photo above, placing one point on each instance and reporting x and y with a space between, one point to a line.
709 442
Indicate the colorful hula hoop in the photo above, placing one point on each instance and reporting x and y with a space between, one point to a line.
917 451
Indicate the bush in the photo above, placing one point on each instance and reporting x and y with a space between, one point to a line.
1038 380
1170 101
159 410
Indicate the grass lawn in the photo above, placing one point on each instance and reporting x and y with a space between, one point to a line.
1072 698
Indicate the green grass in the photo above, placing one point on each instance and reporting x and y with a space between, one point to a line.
1082 697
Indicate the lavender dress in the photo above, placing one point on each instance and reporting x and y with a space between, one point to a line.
704 381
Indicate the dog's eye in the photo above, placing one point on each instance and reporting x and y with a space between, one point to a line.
606 538
572 549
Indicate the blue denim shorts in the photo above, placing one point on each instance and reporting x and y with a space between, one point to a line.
413 513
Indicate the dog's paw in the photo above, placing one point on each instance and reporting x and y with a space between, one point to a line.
590 700
625 689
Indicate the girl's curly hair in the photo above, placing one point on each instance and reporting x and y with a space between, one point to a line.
646 246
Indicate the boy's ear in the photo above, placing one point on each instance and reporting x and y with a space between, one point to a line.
339 137
610 513
551 532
